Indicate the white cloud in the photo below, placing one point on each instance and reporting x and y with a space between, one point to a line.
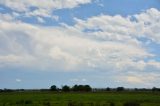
41 20
78 80
55 17
39 12
108 28
139 79
150 20
6 17
133 79
100 42
41 8
12 60
18 80
84 80
49 4
122 29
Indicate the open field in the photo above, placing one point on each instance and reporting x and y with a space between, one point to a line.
80 99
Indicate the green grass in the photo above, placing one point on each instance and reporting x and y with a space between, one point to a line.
79 99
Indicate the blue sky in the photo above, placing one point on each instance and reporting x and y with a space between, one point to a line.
97 42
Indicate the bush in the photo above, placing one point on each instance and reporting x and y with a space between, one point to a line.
131 104
112 104
70 103
46 103
28 102
80 104
20 102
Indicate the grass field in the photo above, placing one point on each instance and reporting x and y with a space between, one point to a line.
80 99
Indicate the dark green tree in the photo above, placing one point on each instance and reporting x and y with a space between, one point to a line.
120 88
155 89
65 88
75 88
53 88
108 89
87 88
84 88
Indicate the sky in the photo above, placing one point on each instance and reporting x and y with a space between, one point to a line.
103 43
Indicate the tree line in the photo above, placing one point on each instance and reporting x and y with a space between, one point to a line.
88 88
76 88
82 88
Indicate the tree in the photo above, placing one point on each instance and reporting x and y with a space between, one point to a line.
66 88
75 88
85 88
155 89
120 88
108 89
53 88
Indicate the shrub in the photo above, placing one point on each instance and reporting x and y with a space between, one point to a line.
70 103
112 104
20 102
80 104
28 102
131 104
47 104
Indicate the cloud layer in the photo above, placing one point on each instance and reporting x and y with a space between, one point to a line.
105 43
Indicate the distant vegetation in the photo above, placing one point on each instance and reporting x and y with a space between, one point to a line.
82 88
75 88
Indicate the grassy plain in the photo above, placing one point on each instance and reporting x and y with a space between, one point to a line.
80 99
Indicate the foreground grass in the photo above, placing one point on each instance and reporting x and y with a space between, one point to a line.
80 99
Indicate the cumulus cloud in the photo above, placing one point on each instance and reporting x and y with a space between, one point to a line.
101 42
49 4
41 8
150 24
